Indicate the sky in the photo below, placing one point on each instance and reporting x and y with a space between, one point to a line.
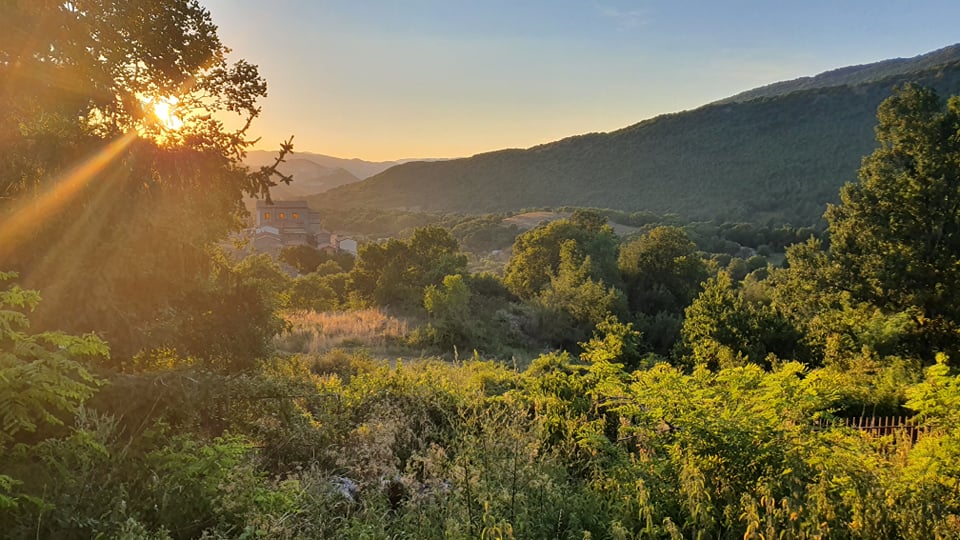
393 79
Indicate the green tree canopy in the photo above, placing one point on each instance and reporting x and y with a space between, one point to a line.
722 328
836 326
536 253
97 68
575 301
303 257
306 259
396 272
661 271
41 378
895 237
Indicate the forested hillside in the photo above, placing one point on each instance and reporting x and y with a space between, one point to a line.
781 158
854 75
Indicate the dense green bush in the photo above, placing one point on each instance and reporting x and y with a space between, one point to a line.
343 446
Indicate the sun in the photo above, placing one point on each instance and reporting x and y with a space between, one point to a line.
165 111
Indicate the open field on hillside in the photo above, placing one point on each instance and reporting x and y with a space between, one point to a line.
529 220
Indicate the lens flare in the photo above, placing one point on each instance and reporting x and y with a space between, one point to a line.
165 109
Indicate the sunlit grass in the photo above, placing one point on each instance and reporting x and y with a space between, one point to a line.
313 332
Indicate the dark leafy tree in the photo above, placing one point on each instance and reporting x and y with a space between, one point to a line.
575 302
312 291
661 271
590 220
229 318
395 272
307 259
485 233
536 254
434 254
835 325
721 328
449 309
377 276
303 257
895 237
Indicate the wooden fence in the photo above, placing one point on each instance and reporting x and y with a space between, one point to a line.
901 427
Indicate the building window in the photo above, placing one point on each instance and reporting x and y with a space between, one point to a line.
280 216
266 216
296 216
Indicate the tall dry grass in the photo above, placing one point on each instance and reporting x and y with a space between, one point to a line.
313 332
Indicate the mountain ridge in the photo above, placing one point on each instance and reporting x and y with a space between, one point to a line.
852 75
772 157
360 168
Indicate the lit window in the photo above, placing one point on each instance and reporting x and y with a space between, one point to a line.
280 216
266 216
296 216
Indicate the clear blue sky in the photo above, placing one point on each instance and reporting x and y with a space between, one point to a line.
386 79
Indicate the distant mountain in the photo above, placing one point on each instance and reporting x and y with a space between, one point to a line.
357 167
309 177
781 156
304 185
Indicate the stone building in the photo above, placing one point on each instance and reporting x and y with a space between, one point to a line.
287 223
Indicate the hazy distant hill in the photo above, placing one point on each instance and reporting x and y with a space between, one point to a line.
305 184
782 157
357 167
309 177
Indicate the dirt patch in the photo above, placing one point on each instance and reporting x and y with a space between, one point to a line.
622 230
529 220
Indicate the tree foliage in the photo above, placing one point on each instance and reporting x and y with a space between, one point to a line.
722 328
661 271
308 259
896 234
449 309
536 253
90 67
887 280
44 377
41 375
576 301
395 272
108 210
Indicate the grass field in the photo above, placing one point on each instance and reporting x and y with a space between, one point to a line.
312 332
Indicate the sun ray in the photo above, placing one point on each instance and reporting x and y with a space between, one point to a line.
14 228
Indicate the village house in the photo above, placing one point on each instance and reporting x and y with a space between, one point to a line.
287 223
279 224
